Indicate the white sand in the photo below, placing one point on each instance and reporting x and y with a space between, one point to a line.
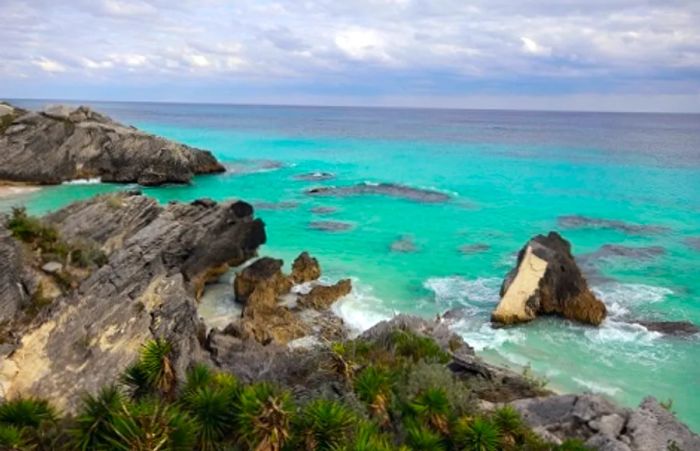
13 191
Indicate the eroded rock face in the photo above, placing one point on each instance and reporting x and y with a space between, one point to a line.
263 276
63 143
605 426
145 290
547 280
305 268
321 297
12 291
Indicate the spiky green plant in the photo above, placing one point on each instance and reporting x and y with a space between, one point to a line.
367 438
135 378
510 423
420 438
415 347
151 425
27 412
373 386
198 376
433 407
93 424
264 417
323 425
155 360
213 409
13 438
479 434
572 444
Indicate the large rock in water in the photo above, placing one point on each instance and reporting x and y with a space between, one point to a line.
63 143
155 254
547 281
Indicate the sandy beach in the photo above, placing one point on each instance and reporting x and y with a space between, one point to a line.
7 191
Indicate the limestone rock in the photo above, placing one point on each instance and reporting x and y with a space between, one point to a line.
12 291
321 297
64 143
651 427
547 280
305 268
264 276
52 267
145 290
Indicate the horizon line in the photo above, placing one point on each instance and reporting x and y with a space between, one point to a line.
311 105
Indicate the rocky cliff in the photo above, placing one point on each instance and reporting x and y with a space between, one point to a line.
63 143
155 259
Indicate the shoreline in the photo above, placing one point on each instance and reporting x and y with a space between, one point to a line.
8 191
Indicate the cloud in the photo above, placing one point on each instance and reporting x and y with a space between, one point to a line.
384 47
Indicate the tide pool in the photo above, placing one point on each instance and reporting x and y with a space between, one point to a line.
508 176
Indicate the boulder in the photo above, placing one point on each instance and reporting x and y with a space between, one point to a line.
264 276
145 290
305 268
672 328
321 297
547 281
64 143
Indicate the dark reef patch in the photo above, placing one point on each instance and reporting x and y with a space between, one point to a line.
323 210
615 251
404 244
315 176
241 167
283 205
330 226
475 248
585 222
693 242
386 189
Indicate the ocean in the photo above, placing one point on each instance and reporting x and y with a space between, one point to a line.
623 188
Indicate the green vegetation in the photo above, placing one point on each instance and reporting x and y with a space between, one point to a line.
397 396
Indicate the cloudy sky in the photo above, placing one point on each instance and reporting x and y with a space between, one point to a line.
635 55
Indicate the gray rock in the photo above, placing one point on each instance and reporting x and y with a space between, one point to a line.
603 442
385 189
651 428
63 143
330 226
404 244
610 424
584 222
145 290
12 291
671 328
52 267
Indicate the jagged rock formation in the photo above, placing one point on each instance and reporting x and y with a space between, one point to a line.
305 268
605 426
547 280
321 297
12 291
63 143
146 289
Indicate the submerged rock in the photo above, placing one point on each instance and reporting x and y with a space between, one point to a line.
693 243
584 222
547 280
404 244
612 251
64 143
146 289
315 176
305 268
672 328
385 189
330 226
475 248
284 205
323 210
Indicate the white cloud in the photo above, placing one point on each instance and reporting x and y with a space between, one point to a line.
196 60
531 46
50 66
362 44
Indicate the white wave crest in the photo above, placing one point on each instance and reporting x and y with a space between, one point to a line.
361 309
92 181
456 291
596 387
480 335
611 331
621 298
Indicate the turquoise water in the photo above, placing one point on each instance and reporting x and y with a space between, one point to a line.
509 176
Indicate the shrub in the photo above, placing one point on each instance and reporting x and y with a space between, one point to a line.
420 438
368 438
511 425
94 422
373 386
324 425
572 445
433 407
415 347
13 438
264 417
422 375
478 435
27 412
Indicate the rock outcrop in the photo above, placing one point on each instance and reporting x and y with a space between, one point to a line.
86 338
12 291
305 268
547 281
321 297
63 143
605 426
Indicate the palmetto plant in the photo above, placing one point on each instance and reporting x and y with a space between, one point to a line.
479 434
367 438
510 424
26 412
212 408
153 372
151 425
324 425
433 407
198 376
420 438
264 417
93 424
13 438
373 386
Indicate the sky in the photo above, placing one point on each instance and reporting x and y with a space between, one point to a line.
600 55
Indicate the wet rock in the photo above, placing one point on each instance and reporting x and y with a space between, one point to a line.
547 280
321 297
264 276
323 210
64 143
612 251
330 226
243 167
584 222
671 328
384 189
404 244
145 290
305 268
315 176
476 248
285 205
